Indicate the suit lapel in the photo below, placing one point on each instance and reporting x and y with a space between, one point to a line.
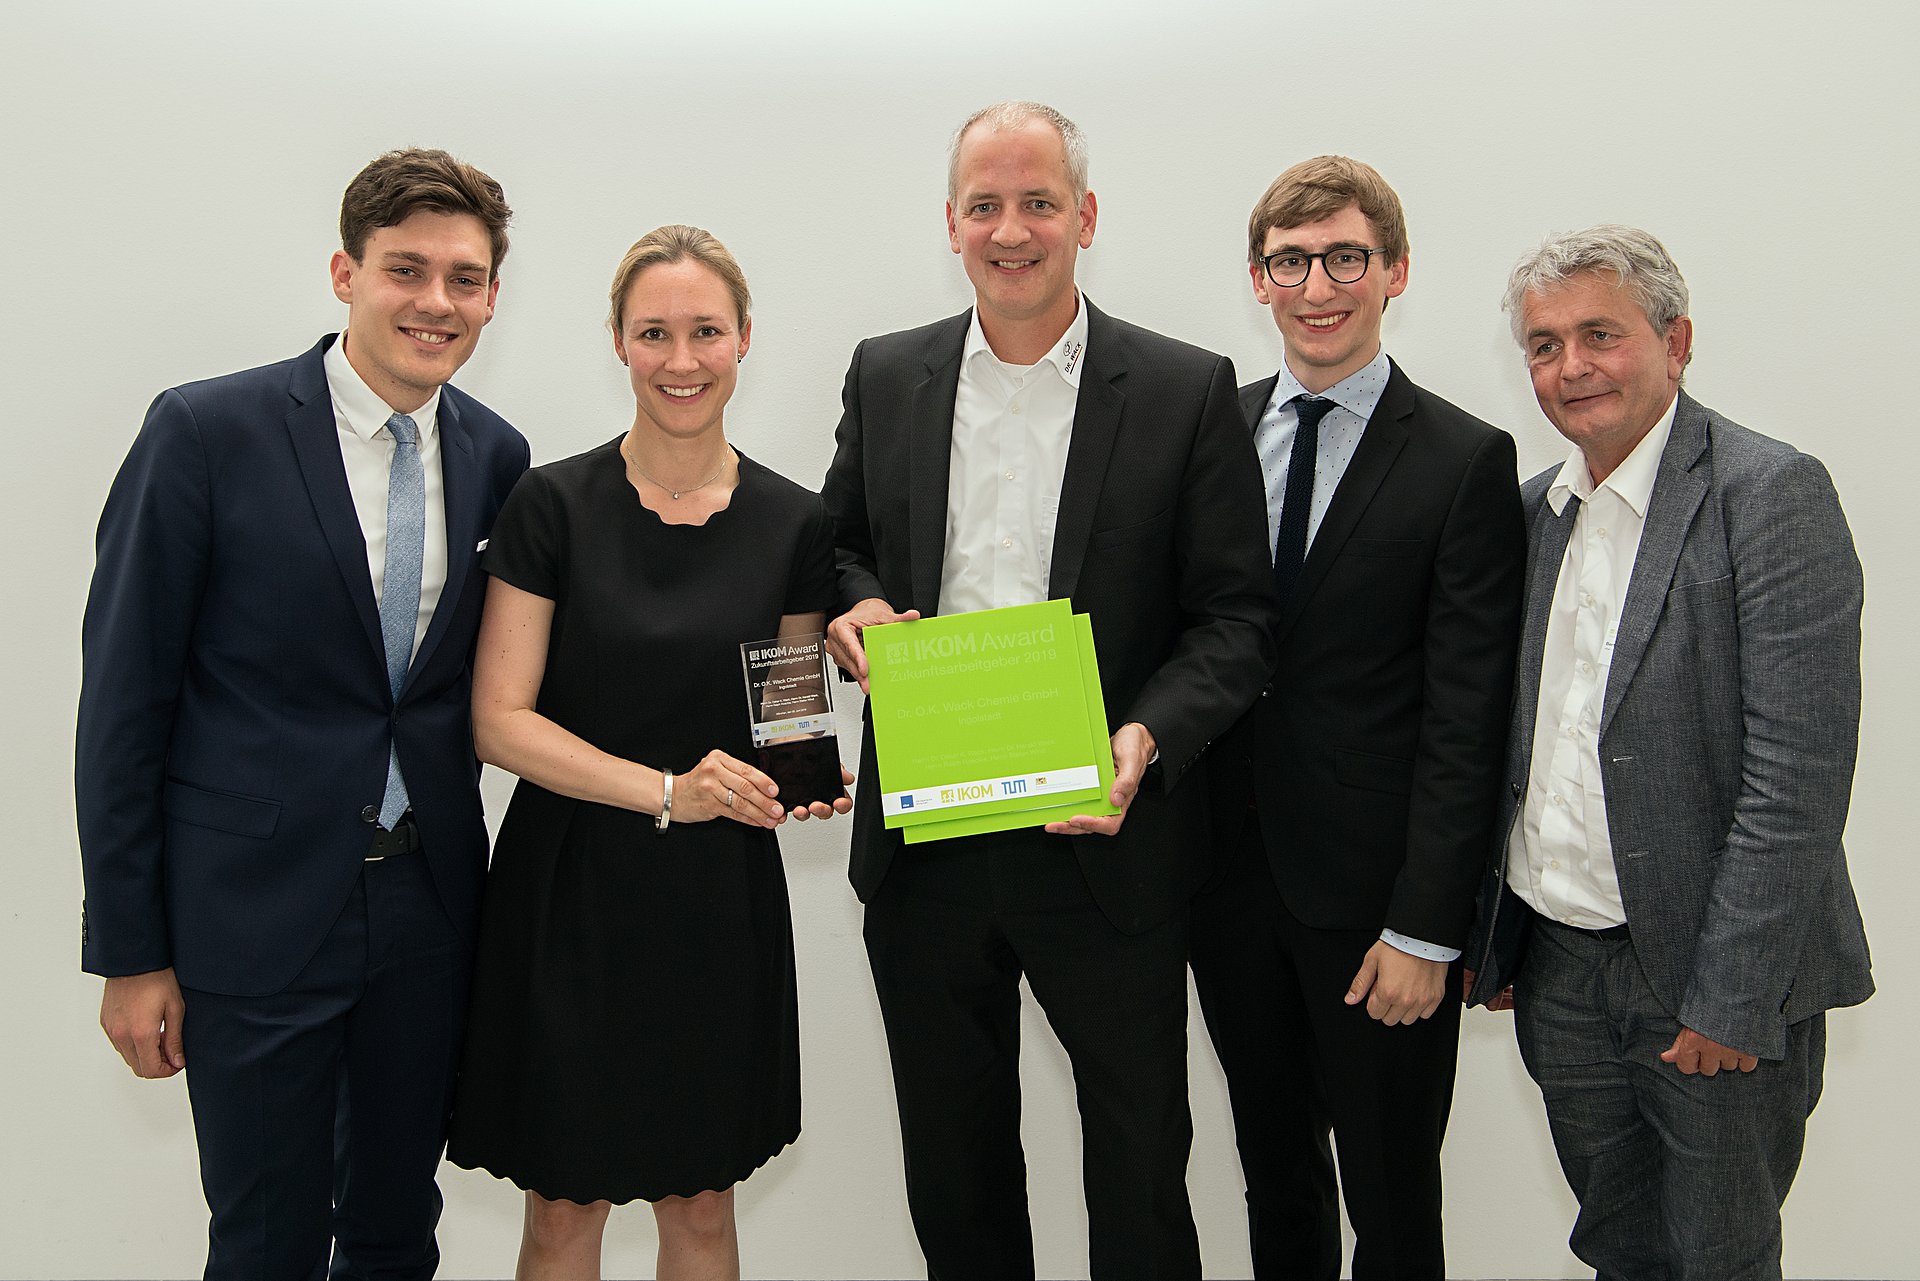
1096 425
1380 443
316 447
929 461
1677 495
1546 550
461 483
1254 398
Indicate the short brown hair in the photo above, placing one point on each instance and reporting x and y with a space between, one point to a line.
397 185
677 242
1322 187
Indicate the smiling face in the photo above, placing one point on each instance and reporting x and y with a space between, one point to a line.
416 299
1016 225
1602 373
682 341
1330 330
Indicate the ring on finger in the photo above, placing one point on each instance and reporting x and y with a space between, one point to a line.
729 798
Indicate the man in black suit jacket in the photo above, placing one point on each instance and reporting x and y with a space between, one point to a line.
1037 448
279 806
1353 804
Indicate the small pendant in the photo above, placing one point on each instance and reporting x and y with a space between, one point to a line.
675 495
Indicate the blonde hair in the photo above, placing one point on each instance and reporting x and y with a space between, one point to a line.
677 242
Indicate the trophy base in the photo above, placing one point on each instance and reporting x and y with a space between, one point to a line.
806 771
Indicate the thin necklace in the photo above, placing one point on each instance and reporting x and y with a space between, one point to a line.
690 489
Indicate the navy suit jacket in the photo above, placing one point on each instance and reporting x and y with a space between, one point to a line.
234 709
1160 538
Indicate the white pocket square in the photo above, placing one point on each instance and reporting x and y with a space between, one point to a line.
482 544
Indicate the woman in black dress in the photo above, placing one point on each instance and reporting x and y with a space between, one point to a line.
634 1030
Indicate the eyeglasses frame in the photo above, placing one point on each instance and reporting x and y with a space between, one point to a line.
1266 264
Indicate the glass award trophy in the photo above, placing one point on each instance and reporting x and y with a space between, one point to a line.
791 710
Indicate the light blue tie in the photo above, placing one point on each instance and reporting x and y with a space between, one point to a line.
400 590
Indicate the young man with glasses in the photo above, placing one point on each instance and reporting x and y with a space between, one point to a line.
1354 804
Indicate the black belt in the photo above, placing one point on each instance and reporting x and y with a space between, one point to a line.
1609 932
403 839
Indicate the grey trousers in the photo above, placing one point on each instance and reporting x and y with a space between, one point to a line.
1679 1178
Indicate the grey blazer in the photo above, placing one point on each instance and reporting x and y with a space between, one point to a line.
1727 738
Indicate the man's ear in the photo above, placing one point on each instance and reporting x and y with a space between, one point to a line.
341 271
1261 285
1679 346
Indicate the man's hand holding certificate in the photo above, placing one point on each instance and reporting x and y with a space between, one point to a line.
988 721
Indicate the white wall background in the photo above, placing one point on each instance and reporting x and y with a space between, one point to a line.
172 180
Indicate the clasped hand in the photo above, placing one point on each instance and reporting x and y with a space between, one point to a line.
1397 986
722 787
141 1014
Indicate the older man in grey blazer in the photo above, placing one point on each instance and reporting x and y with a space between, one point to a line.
1670 900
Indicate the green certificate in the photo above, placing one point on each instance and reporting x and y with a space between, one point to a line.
1043 813
988 720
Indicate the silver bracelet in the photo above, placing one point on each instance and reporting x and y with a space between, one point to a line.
666 801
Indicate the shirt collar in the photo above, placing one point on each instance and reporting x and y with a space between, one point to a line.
1068 356
1632 481
1358 393
360 407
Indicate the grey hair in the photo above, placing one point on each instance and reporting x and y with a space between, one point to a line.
1633 257
1011 115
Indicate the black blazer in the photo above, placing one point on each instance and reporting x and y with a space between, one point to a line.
234 707
1160 538
1374 753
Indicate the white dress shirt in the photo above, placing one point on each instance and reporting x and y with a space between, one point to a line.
1012 425
1560 853
366 447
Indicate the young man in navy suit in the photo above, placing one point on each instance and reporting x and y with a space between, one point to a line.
278 799
1353 804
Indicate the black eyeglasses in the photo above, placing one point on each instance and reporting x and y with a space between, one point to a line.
1289 267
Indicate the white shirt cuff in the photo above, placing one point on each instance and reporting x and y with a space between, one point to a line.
1414 947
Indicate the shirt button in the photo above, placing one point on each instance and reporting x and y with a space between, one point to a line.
1554 864
1557 800
1006 542
1587 600
1009 473
1601 534
1586 669
1014 408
